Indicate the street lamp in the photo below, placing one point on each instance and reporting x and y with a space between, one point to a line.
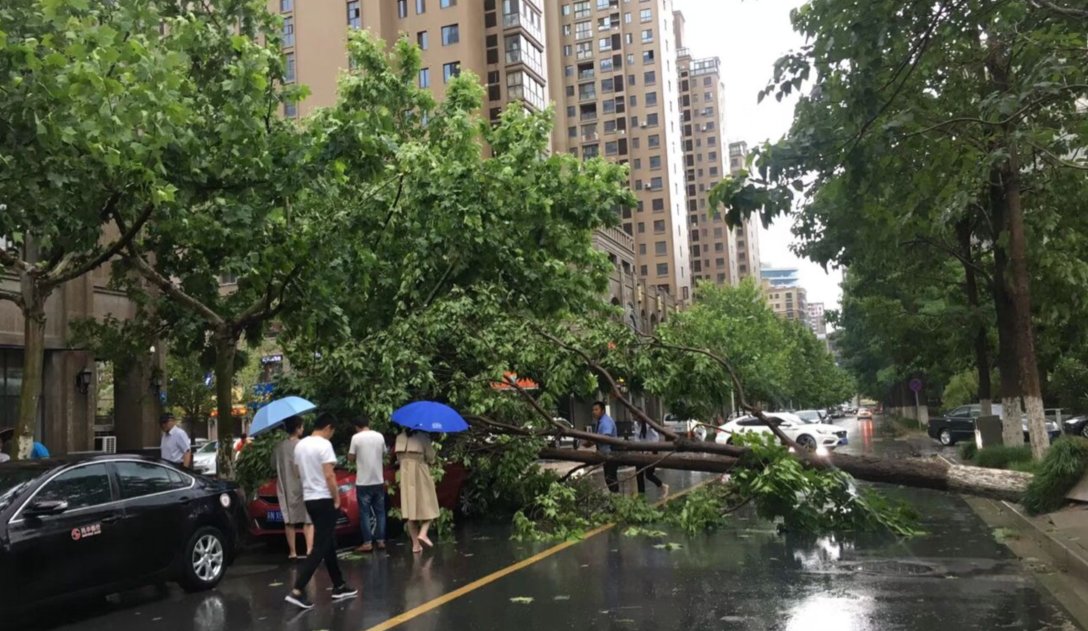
83 381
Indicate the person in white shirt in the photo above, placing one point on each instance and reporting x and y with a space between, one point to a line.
316 460
174 446
368 448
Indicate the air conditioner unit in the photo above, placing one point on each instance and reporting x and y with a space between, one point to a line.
105 444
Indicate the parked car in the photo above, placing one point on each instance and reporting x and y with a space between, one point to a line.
836 412
1078 425
865 413
690 428
101 524
810 416
807 434
959 424
205 459
564 441
266 518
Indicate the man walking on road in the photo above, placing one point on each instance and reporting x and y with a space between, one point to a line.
606 427
368 448
174 446
315 460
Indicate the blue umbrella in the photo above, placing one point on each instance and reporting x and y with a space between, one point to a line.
276 412
429 416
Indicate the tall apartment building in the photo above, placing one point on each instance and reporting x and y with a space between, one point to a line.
702 110
615 85
789 302
747 234
502 42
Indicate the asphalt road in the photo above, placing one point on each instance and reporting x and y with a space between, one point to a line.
745 577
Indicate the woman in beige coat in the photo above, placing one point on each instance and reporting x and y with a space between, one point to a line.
418 498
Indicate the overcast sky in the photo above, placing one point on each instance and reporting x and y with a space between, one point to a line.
748 36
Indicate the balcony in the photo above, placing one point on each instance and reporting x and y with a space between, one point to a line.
526 22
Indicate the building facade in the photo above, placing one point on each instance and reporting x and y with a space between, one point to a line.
747 234
787 301
613 79
817 318
779 276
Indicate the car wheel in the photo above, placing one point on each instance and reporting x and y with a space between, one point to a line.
946 438
1084 430
205 560
806 441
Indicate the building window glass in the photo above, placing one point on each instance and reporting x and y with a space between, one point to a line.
423 40
655 162
402 8
659 226
289 68
658 204
445 4
584 50
425 77
288 31
645 15
648 57
653 141
522 86
656 183
451 34
581 9
649 77
582 30
605 43
611 148
647 36
421 7
287 5
290 109
450 70
591 151
651 120
651 98
355 14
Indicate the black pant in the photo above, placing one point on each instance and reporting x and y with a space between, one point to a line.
323 514
612 476
647 474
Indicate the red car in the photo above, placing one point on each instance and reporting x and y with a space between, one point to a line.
265 518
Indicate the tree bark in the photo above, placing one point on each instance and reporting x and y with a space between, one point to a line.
226 347
1011 432
978 323
33 369
926 473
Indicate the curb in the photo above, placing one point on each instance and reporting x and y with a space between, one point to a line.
1066 558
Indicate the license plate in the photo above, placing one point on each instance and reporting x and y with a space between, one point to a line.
274 516
844 441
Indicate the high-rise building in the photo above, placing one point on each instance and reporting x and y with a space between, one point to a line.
817 318
747 234
779 276
615 85
505 48
787 301
702 111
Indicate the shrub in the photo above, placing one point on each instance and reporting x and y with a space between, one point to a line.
1060 470
255 464
968 451
1001 456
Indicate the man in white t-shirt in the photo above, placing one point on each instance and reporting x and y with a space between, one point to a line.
368 448
316 460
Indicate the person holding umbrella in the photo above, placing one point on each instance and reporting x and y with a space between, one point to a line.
415 454
289 489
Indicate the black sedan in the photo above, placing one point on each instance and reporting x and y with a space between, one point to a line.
103 524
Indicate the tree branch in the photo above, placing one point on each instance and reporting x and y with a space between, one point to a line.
1061 10
168 287
113 250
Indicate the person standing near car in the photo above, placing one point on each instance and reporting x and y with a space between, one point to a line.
316 462
174 446
368 448
606 427
289 489
418 497
647 434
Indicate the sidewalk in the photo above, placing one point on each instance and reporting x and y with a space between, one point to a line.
1064 534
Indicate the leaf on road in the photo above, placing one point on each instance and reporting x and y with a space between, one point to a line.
670 546
561 598
522 600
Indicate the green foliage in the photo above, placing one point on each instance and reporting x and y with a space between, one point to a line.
1060 470
504 479
1002 456
1069 382
185 389
634 510
255 464
703 509
565 512
962 388
443 526
968 450
812 500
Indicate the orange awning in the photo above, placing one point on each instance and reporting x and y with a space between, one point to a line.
237 410
524 383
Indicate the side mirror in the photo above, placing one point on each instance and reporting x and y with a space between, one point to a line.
46 507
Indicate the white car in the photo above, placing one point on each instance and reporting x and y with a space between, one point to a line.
810 435
204 458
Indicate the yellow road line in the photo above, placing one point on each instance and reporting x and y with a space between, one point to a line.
431 605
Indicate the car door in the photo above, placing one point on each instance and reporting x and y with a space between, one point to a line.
73 549
157 501
960 422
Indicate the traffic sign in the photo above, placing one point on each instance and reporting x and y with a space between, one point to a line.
916 385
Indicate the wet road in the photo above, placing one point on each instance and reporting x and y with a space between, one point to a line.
744 577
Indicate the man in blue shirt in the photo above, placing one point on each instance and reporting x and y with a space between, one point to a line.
607 427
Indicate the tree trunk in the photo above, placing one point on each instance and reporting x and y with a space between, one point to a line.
33 369
926 473
225 348
982 340
1011 432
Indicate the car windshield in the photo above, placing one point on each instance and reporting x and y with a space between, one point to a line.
208 448
809 416
13 481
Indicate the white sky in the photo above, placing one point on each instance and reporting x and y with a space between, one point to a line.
748 36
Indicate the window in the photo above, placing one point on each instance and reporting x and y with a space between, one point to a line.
290 110
627 18
355 16
402 9
424 77
582 30
421 7
566 30
603 4
713 171
144 478
423 40
642 249
606 65
655 162
656 183
643 271
719 247
572 131
80 487
445 4
520 85
659 226
566 9
662 269
591 151
642 230
608 85
647 36
581 9
289 68
648 57
658 204
584 50
632 100
653 141
708 81
450 70
567 50
651 119
628 38
605 43
287 5
719 262
661 248
451 34
649 77
651 99
289 30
